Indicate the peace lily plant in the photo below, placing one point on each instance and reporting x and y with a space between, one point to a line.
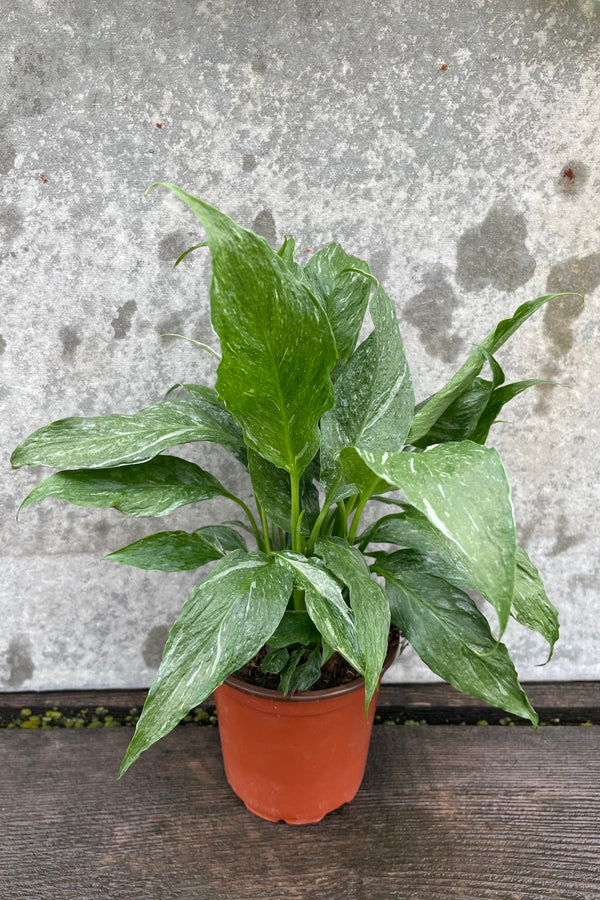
323 427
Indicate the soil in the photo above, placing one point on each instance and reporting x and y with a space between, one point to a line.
336 671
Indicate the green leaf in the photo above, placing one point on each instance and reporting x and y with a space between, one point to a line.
452 637
272 487
153 488
222 538
115 440
373 403
530 606
309 672
296 627
199 344
458 421
464 492
278 348
199 392
410 528
186 252
179 551
473 413
286 252
343 294
275 661
368 601
239 524
431 411
224 623
288 675
499 398
325 605
426 563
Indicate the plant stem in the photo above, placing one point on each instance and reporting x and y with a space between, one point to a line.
343 519
299 538
298 597
265 526
329 523
251 519
350 503
325 509
359 511
295 497
364 498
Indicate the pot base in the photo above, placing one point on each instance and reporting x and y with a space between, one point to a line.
277 820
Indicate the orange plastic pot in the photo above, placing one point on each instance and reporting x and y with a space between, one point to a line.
294 758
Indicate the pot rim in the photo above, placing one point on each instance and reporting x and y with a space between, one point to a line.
307 696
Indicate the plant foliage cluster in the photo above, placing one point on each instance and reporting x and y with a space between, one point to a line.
323 426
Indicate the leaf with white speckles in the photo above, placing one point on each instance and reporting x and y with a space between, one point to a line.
463 490
286 252
451 636
498 399
373 403
325 605
154 488
531 607
179 551
368 601
343 294
410 528
277 345
430 412
116 440
460 419
224 623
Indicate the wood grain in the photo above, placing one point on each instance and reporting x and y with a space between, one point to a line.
466 813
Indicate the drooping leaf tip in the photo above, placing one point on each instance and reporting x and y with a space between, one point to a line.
361 272
123 767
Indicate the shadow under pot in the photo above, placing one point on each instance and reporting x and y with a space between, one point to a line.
295 758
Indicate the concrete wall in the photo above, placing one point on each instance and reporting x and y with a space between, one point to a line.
456 146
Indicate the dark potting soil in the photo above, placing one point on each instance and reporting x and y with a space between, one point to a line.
336 671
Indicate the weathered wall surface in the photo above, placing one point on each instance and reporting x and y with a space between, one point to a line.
456 146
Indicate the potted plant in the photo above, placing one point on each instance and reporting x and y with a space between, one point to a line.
323 427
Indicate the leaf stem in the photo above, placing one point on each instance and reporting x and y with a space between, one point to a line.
298 598
265 526
343 519
329 523
364 499
299 538
350 503
320 518
295 498
192 341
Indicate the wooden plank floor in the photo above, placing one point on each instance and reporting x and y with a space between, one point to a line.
444 813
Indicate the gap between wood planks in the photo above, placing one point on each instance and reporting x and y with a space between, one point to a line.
558 703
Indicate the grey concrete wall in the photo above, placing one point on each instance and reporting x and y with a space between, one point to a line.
456 146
